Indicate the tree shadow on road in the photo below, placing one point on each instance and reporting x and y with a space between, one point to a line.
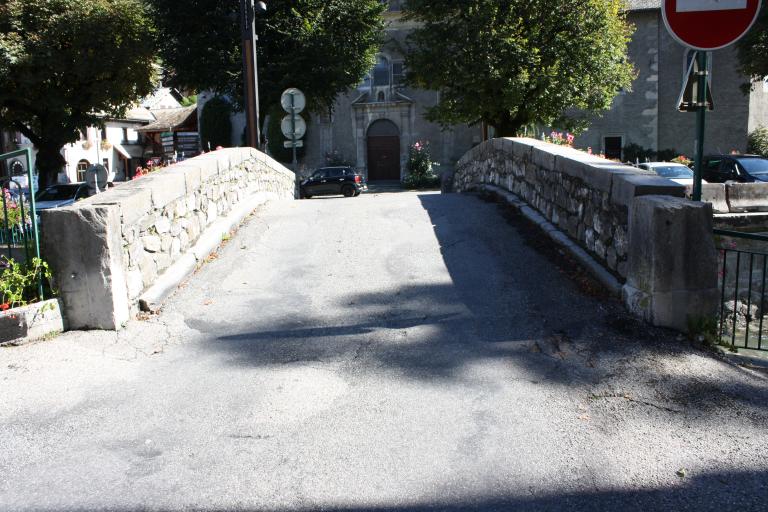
506 302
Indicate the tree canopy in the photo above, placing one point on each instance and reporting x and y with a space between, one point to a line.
512 63
753 49
68 64
320 46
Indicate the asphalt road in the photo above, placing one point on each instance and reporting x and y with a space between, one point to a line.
393 352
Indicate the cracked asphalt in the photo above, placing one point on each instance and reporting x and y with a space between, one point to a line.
393 352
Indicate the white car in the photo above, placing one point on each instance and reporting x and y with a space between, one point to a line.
678 173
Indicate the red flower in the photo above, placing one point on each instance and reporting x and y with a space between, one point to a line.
5 307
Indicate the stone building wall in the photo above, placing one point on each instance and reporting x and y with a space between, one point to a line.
109 249
587 197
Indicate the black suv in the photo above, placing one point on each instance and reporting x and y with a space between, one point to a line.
330 181
741 168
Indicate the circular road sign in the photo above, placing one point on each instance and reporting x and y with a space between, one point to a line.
709 24
299 100
96 177
286 126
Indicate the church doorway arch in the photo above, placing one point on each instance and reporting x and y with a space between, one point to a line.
383 151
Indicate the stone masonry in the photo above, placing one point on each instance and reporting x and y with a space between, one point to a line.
632 222
587 197
107 250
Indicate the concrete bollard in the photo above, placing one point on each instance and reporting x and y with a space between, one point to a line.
672 272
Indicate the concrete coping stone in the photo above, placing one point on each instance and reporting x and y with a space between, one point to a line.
628 186
134 202
31 323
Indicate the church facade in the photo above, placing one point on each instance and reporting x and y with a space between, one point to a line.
373 125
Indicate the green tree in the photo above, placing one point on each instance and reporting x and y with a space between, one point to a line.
753 49
320 46
215 123
68 64
757 142
512 63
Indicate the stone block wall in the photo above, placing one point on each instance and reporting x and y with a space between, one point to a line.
587 197
632 222
107 250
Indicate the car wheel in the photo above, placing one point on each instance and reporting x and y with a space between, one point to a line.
348 191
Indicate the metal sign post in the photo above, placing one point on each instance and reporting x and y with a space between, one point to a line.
294 127
706 25
293 134
701 118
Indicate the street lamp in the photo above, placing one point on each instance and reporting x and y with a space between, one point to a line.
248 11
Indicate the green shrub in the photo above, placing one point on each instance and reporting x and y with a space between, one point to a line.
666 155
421 168
19 282
416 182
216 124
637 153
757 143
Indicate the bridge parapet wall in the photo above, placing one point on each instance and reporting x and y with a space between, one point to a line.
592 201
586 196
110 250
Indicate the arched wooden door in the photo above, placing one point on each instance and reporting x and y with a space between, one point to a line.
383 151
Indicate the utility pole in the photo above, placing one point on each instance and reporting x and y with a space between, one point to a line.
248 11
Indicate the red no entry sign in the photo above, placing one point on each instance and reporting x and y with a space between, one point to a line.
709 24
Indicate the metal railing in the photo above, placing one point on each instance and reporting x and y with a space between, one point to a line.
19 227
743 277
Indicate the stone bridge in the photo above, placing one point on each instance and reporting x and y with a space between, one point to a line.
396 352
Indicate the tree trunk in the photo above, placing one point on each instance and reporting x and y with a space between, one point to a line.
507 127
49 162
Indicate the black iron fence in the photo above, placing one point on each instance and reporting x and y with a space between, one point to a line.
743 277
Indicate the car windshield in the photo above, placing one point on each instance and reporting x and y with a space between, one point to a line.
754 165
674 172
57 193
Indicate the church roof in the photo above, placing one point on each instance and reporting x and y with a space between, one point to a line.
170 119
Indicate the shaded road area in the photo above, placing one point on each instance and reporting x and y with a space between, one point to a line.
393 352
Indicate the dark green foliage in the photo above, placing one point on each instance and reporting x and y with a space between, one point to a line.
637 153
320 46
757 144
276 138
19 282
666 155
64 64
513 63
336 159
216 124
188 101
753 50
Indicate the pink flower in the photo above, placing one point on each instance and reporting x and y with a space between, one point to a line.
589 151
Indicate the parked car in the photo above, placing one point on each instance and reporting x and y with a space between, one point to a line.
740 168
57 196
678 173
329 181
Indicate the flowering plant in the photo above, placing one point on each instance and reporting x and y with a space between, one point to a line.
19 282
11 214
560 138
420 167
682 159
